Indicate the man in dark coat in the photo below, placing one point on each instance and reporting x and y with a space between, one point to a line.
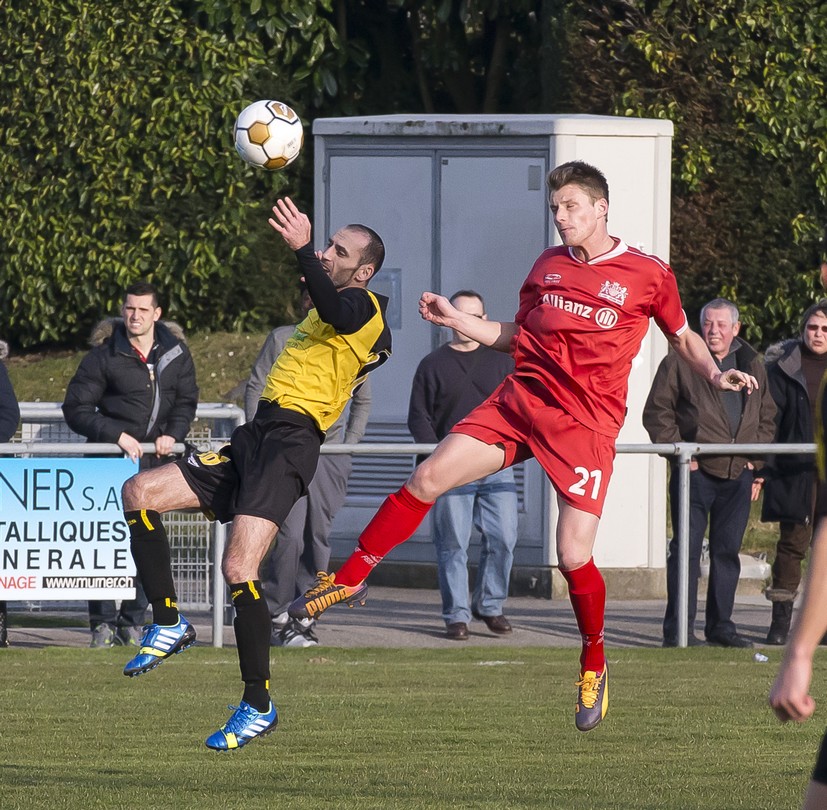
794 371
136 385
9 417
684 408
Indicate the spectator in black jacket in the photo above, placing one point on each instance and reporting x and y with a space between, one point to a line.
794 371
136 385
9 409
9 417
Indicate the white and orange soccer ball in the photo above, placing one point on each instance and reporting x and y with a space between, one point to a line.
268 135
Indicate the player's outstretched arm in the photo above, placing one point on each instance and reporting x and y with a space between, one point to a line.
437 309
293 225
691 347
789 696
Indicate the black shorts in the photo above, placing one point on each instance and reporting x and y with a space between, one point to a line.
262 472
820 771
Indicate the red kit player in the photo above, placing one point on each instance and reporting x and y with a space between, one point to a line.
584 311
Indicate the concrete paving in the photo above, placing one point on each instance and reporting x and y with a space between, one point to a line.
408 617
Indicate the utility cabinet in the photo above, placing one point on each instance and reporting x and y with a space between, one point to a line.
461 203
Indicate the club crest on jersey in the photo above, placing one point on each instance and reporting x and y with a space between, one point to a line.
552 278
612 291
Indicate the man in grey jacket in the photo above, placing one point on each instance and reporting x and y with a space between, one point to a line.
683 407
303 545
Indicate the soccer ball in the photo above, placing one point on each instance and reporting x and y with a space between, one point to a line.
268 135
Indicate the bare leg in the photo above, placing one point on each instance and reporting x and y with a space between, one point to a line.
457 460
249 542
576 531
161 489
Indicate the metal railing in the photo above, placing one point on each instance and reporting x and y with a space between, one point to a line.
36 414
683 451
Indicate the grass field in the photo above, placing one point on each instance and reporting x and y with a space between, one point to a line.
381 728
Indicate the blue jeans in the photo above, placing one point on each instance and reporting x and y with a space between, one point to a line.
490 505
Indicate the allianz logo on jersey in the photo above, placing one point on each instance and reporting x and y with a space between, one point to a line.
605 317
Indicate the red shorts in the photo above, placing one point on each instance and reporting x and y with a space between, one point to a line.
521 416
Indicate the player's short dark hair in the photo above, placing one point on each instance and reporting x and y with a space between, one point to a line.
468 294
818 306
580 174
374 252
143 288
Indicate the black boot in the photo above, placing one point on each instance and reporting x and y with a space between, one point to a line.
782 614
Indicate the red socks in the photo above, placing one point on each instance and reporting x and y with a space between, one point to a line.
587 592
397 519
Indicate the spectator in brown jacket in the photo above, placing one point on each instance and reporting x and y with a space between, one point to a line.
684 408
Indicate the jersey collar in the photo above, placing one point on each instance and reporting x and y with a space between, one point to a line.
619 248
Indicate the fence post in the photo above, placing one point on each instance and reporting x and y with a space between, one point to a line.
219 535
684 460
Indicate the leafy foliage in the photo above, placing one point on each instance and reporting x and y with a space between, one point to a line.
117 160
744 82
117 164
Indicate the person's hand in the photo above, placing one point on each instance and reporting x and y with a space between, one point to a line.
163 445
734 380
789 697
293 225
436 308
757 486
131 446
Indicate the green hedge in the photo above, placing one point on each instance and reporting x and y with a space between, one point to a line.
117 164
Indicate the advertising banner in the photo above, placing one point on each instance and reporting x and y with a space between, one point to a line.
62 532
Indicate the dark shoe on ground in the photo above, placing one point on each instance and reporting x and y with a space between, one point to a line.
456 631
691 641
782 615
496 624
129 636
731 639
103 637
776 637
592 699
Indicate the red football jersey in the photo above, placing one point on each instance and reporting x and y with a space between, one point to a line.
582 323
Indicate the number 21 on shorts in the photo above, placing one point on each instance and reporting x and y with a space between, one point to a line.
589 483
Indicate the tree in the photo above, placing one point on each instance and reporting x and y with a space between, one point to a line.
744 82
118 164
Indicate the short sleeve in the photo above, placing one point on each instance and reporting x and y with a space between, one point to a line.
666 307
